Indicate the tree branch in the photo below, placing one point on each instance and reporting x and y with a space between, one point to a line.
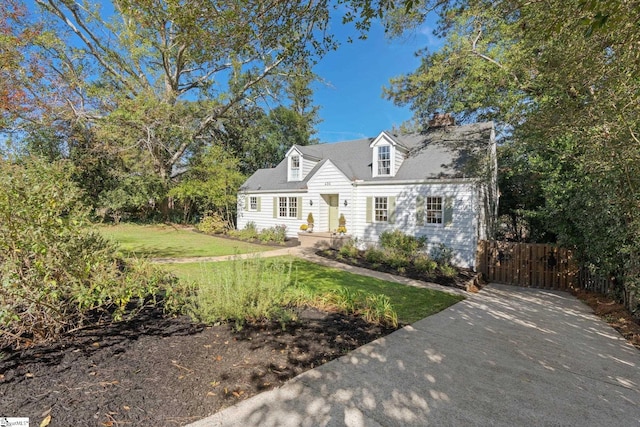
52 7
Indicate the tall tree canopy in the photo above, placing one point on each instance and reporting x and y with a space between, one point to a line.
159 76
564 76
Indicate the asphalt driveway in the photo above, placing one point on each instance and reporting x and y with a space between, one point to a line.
504 357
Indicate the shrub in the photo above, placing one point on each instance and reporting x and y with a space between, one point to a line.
374 308
276 234
374 255
442 254
349 249
405 244
424 264
54 269
448 271
249 232
397 260
213 223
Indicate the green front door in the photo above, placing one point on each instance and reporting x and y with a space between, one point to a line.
333 212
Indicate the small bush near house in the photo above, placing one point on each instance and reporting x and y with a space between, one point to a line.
401 255
349 249
374 255
424 264
402 243
448 271
213 223
442 254
249 232
276 234
397 260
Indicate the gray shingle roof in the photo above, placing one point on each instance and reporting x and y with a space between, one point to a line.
450 152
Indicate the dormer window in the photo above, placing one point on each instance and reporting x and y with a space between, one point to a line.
384 160
295 168
387 155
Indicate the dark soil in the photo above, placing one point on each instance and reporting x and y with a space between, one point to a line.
463 280
613 313
288 243
166 371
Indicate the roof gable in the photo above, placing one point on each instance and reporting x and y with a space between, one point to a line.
438 153
316 173
383 138
293 150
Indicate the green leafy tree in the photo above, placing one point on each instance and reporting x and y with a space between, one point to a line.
157 77
562 77
210 185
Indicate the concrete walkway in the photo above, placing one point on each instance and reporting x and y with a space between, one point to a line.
266 254
504 357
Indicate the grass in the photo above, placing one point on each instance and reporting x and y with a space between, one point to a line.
167 241
410 303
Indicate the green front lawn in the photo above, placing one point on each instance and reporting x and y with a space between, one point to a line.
410 303
162 241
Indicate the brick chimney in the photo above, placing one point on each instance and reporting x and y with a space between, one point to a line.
441 120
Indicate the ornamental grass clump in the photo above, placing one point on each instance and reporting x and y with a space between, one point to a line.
374 308
244 290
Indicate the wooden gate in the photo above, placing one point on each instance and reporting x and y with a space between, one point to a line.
528 265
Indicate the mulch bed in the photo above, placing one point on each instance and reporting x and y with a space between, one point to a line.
615 314
463 280
167 371
164 371
288 243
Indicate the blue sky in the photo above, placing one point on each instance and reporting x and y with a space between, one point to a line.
351 103
350 99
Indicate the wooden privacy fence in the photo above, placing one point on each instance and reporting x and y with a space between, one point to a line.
528 265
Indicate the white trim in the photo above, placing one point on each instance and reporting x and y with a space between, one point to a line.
383 140
383 136
251 208
293 148
417 181
290 174
287 207
274 191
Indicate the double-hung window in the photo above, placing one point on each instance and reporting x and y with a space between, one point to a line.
253 203
433 210
381 209
288 207
384 160
295 168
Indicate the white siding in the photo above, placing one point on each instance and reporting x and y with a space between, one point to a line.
398 158
460 235
330 180
307 165
264 218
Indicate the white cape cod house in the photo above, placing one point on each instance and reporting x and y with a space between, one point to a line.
440 184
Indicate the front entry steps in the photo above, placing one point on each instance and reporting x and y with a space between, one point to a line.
322 240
